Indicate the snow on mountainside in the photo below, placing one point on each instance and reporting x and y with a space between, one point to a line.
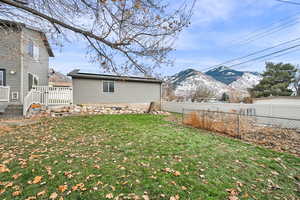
227 75
248 80
224 74
189 80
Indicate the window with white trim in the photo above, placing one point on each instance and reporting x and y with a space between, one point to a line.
33 50
108 86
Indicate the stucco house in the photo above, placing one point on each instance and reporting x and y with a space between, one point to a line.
24 61
91 88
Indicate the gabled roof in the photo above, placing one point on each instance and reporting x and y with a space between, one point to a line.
77 74
20 25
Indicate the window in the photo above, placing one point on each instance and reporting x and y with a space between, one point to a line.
30 48
33 50
32 81
2 77
108 86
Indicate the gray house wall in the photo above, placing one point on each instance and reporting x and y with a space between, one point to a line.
90 91
10 50
38 68
14 56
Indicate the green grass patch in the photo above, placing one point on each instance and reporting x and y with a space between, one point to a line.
136 157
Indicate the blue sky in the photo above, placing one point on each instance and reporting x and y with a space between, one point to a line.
216 34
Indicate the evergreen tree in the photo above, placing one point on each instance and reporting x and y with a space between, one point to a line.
276 80
225 97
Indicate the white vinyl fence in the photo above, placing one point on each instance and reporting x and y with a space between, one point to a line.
269 110
48 96
55 95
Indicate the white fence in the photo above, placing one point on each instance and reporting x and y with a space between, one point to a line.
4 93
31 98
268 110
45 95
55 95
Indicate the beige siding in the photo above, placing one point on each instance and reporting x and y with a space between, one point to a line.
10 58
89 91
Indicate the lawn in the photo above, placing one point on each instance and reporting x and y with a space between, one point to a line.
138 157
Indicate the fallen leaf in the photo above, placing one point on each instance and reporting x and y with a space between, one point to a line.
31 198
239 184
9 184
233 198
97 166
3 169
53 196
2 191
41 193
15 176
176 173
62 188
176 197
16 193
37 179
109 196
145 197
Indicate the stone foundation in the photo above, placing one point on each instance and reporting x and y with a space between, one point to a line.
96 109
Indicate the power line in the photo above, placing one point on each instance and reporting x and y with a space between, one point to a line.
289 2
267 55
285 22
253 53
271 31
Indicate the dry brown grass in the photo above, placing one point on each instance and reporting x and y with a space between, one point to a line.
277 138
218 122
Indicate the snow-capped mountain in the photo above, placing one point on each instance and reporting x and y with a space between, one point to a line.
246 81
227 75
189 80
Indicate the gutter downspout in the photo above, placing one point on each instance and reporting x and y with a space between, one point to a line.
22 69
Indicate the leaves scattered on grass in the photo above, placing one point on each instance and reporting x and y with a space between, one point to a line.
93 158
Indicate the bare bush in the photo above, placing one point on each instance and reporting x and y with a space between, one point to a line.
201 93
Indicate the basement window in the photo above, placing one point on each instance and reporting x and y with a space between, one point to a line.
108 86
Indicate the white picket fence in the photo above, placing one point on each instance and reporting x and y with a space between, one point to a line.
48 96
55 95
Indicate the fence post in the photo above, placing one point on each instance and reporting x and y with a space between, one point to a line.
203 118
182 115
238 127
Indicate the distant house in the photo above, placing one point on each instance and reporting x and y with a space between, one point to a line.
24 60
58 79
101 88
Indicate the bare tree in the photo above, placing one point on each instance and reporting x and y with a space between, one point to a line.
122 35
202 93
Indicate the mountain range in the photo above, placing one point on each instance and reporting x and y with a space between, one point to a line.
218 80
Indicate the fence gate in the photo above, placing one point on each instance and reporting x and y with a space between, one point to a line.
55 95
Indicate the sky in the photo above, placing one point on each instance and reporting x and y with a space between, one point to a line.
220 30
